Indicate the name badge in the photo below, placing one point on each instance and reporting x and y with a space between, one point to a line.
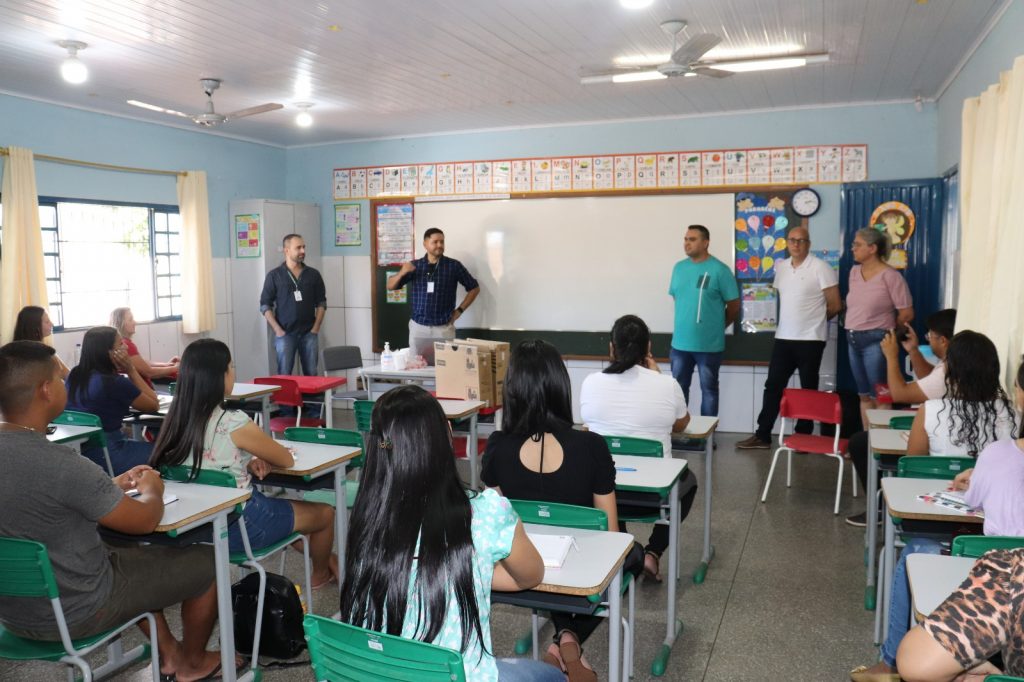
298 295
430 287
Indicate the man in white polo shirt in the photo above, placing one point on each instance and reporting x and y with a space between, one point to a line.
808 297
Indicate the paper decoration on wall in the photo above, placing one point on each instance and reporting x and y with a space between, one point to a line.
760 309
760 234
248 240
898 221
664 170
395 242
347 228
396 295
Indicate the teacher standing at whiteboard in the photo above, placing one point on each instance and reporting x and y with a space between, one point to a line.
434 280
706 302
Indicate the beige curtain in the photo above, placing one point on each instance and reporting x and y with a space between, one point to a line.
198 311
22 274
991 206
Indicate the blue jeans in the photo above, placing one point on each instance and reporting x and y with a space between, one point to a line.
707 364
527 670
899 601
867 363
303 344
124 453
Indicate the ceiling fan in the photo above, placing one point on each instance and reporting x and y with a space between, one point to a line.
210 117
686 61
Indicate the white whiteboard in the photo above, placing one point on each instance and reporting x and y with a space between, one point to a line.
575 263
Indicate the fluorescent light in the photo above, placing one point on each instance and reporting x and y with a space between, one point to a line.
770 63
638 76
636 4
642 59
153 107
689 74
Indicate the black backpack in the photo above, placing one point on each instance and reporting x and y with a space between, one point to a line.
281 635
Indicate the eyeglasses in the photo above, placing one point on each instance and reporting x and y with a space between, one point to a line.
793 240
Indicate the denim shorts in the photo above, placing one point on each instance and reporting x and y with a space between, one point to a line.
867 363
267 520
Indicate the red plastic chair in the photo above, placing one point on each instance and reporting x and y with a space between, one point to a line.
290 396
819 406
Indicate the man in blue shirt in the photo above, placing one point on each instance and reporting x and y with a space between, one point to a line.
434 281
706 302
294 301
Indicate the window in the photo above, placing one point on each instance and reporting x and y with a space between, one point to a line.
100 256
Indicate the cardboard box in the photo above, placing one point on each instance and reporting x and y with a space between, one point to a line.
500 351
463 371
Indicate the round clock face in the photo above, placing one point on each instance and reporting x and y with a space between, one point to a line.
806 202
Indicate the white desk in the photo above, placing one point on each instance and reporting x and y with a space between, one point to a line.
72 436
197 505
658 475
880 418
595 567
900 495
934 577
374 373
704 428
460 409
881 441
243 391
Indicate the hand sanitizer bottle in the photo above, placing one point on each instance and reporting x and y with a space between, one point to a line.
387 358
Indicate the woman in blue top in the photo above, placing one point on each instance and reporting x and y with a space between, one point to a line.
105 383
423 555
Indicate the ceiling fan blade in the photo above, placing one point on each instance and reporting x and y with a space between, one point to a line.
254 110
153 107
714 73
694 48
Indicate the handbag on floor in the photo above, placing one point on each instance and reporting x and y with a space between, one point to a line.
281 635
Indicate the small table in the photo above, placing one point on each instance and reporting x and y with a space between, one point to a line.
595 567
881 441
880 418
373 373
313 385
704 428
243 391
198 505
901 499
460 409
934 577
71 435
658 475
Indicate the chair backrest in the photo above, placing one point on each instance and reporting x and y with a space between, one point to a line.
308 434
172 387
901 423
563 515
289 393
1003 678
641 447
25 569
337 358
180 473
804 403
364 412
345 653
976 545
72 418
944 468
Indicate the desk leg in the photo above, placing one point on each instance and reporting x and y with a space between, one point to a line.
340 519
265 413
614 627
471 452
709 551
672 626
890 563
871 532
224 611
328 410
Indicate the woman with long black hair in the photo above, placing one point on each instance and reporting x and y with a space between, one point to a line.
423 555
200 433
96 386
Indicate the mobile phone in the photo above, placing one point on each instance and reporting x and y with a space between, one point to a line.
902 332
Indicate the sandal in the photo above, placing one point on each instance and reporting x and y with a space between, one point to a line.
861 674
553 657
572 657
655 573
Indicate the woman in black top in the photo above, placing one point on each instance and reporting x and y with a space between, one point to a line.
539 456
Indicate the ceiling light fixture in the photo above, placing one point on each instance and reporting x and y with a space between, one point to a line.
636 76
636 4
73 70
304 119
771 63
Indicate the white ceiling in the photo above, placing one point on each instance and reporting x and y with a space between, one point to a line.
378 68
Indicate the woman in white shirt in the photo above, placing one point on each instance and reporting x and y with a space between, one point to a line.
631 397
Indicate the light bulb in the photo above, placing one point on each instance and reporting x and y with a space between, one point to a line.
74 71
304 119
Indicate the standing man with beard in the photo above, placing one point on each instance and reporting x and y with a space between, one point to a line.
294 301
434 281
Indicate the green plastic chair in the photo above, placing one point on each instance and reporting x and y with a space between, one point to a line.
364 411
638 447
341 652
927 466
249 557
96 440
26 571
975 545
1003 678
307 434
587 518
901 423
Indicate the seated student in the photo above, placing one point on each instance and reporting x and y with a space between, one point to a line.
423 553
930 384
631 397
57 500
33 324
123 321
199 432
995 484
538 455
96 386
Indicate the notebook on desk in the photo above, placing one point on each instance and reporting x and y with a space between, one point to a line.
168 497
952 500
552 548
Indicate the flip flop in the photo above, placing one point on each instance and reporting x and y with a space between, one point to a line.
213 674
332 580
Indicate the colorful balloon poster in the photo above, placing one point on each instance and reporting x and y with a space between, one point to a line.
760 234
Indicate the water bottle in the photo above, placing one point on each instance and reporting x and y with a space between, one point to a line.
387 358
77 356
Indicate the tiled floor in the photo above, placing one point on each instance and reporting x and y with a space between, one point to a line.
783 599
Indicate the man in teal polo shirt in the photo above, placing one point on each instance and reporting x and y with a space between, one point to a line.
706 302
